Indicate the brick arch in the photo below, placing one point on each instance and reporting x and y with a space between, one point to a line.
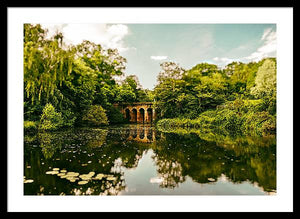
133 115
140 112
127 115
141 115
149 113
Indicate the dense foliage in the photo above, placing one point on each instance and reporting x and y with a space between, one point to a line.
241 98
95 115
50 119
72 80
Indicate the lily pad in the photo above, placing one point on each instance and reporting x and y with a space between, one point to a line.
82 182
63 171
72 174
55 169
99 176
85 176
211 179
28 181
111 178
52 172
91 173
72 179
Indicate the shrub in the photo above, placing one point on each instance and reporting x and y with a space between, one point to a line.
269 126
253 105
260 123
203 121
69 118
228 120
244 105
30 126
270 104
50 119
206 119
95 116
115 116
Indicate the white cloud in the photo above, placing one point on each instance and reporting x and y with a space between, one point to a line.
156 180
158 57
223 61
268 48
266 32
109 36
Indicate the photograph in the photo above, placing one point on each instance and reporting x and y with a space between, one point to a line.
150 109
120 110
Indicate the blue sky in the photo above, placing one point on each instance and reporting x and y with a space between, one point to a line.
145 46
191 44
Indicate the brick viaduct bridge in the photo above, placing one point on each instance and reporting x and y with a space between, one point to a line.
138 112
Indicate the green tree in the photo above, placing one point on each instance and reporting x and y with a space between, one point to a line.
211 91
126 94
168 89
46 63
50 119
131 85
265 85
95 115
265 81
71 78
115 116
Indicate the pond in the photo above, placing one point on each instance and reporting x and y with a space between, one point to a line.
141 160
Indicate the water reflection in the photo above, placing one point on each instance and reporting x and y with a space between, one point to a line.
132 157
204 161
141 133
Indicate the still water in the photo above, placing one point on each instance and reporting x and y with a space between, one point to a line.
141 160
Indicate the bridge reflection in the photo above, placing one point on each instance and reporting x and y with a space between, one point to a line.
143 134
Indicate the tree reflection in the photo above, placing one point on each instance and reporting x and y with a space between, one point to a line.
240 159
177 155
81 151
48 143
169 171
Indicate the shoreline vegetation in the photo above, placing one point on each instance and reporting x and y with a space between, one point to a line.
237 117
77 85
